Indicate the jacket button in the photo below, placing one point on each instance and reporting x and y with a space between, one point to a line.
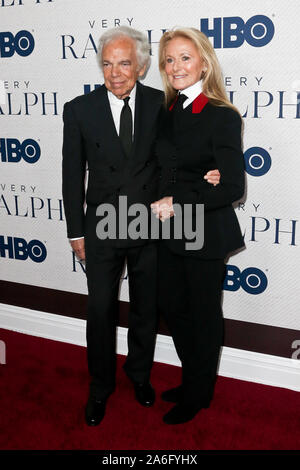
145 186
112 168
147 163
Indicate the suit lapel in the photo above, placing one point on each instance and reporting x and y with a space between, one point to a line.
105 130
199 103
146 111
138 113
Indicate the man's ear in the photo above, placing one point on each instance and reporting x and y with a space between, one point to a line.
142 71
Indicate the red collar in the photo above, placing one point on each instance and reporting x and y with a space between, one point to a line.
198 103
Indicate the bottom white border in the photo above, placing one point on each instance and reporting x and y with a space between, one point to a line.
234 363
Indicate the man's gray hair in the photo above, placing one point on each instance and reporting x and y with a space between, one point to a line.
140 39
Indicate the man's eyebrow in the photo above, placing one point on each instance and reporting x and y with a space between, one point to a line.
120 61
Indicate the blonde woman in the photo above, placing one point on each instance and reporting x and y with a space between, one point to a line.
202 131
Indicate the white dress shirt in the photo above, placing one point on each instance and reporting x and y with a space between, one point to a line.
116 106
191 92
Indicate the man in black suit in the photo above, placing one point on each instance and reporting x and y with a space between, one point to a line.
112 137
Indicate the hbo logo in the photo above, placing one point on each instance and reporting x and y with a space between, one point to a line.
252 280
18 248
257 31
22 44
257 161
12 150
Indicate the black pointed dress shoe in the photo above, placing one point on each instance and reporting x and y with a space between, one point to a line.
182 413
173 395
94 412
144 393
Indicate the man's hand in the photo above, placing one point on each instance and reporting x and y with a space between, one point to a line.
213 177
78 248
163 208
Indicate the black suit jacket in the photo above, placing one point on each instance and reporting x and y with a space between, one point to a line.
91 143
208 137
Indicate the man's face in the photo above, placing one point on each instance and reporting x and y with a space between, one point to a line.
120 66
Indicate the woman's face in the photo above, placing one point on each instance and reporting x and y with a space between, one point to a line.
183 64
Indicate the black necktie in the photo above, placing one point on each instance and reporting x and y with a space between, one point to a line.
178 108
125 132
179 102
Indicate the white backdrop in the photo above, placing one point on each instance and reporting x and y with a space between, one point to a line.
48 56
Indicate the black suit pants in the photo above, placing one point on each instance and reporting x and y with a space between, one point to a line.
189 294
104 268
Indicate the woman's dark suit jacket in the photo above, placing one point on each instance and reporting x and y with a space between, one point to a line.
207 137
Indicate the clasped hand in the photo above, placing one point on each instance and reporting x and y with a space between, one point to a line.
163 208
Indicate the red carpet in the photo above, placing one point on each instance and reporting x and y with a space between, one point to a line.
44 389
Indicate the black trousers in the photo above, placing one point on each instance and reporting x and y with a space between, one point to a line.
104 267
189 296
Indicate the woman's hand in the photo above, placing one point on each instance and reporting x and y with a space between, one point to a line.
163 208
213 177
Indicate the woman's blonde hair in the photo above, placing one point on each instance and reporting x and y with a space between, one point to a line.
212 80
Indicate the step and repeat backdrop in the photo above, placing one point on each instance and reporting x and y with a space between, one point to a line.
48 55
